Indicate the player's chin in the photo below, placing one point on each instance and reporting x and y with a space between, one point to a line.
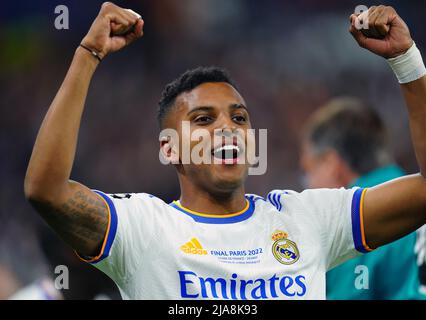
229 176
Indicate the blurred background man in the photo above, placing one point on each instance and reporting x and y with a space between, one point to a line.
345 145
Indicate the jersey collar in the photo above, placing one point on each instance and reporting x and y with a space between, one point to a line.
239 216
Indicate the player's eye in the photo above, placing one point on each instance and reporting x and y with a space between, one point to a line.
239 119
203 119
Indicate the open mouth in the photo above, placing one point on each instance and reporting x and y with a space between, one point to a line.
227 154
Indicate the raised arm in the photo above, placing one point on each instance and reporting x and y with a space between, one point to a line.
76 213
396 208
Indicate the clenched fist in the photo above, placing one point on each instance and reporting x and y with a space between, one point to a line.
384 32
113 29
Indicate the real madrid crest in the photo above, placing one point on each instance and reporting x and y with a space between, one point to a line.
283 249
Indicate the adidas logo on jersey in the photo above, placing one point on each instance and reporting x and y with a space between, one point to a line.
193 247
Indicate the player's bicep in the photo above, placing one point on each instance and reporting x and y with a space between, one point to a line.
79 216
129 232
394 209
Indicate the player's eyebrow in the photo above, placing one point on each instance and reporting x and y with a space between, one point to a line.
238 106
200 108
210 108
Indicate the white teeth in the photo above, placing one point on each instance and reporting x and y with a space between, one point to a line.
227 147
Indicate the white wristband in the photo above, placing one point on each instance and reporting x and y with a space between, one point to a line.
409 66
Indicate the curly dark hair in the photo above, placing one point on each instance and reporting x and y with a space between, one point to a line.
187 82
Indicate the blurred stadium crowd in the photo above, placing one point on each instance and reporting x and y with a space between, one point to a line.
286 57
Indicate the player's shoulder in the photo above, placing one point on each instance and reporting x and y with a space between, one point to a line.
132 200
291 199
280 199
134 195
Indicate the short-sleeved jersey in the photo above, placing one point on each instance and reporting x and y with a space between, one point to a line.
277 247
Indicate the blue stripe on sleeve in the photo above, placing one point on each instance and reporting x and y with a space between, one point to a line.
112 228
356 221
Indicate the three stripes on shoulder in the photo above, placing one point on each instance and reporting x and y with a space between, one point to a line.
275 198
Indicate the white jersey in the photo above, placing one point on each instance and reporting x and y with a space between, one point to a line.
278 247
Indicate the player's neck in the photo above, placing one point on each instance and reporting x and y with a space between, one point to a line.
202 201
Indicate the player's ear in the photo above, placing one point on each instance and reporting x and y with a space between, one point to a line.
169 149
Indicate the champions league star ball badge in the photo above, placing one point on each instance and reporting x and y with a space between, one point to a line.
283 249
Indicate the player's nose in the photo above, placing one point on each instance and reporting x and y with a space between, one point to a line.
225 130
226 125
